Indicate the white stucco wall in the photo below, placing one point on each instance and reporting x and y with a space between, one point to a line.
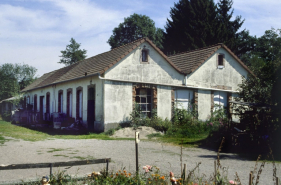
208 75
204 104
164 105
118 100
84 83
157 70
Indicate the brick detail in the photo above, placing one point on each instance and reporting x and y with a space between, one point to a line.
154 91
195 100
172 102
229 108
212 101
222 87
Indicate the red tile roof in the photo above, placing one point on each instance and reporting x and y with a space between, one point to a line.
184 63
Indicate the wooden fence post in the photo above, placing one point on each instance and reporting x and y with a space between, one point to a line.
107 167
277 181
250 179
137 136
215 166
51 170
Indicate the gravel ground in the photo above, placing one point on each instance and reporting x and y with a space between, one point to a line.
122 153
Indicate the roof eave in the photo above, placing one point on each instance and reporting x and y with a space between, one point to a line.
95 74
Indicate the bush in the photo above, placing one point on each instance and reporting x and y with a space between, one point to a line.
6 116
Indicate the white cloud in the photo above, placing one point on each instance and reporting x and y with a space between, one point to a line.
259 15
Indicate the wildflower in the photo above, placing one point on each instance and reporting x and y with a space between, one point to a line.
147 168
211 123
172 178
232 182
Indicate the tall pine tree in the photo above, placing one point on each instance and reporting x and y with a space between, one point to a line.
199 23
191 25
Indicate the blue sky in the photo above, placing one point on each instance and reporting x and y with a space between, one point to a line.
35 31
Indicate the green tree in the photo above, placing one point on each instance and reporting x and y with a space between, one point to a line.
15 77
263 88
191 25
135 27
72 53
199 23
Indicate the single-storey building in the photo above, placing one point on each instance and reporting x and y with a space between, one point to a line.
101 91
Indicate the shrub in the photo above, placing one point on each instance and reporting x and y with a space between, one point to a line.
6 116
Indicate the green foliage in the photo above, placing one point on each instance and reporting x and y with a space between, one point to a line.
190 26
198 23
15 77
60 178
134 27
6 116
72 53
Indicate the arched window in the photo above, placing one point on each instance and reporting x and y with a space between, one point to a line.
69 103
35 103
60 101
47 102
79 103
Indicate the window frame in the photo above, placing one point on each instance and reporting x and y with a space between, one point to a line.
219 65
147 97
146 51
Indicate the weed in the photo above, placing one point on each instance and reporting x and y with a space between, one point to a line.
60 155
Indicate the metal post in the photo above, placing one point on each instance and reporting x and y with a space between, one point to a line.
51 169
107 167
137 136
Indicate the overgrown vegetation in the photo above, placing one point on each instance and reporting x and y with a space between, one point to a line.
184 127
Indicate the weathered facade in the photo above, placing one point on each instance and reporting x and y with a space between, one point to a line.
102 90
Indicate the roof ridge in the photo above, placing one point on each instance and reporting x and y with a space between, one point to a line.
128 43
198 49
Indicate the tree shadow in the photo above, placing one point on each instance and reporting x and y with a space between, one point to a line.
48 129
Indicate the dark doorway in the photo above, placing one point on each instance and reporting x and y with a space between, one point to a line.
91 108
41 107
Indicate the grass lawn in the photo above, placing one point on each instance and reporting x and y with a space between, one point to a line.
18 132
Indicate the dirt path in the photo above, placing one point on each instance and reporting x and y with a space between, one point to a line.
122 153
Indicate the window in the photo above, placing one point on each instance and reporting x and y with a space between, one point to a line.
220 62
144 55
184 99
144 100
220 100
69 103
60 101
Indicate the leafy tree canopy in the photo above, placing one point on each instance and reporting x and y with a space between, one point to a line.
264 59
198 23
15 77
135 27
72 53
